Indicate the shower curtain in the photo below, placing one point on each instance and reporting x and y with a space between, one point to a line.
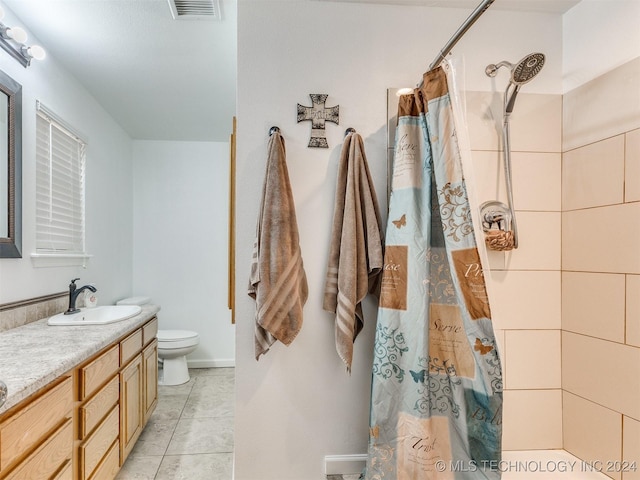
436 400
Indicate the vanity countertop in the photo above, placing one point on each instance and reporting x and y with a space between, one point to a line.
35 354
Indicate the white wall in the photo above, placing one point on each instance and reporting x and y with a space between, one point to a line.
108 187
297 404
597 36
181 198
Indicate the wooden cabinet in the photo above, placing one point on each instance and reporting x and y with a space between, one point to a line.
138 384
36 439
150 379
131 403
97 371
83 425
52 456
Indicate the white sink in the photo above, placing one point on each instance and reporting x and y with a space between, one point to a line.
97 316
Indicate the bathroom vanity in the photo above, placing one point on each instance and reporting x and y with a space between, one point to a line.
78 397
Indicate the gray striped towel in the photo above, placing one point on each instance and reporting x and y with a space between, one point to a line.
278 282
356 251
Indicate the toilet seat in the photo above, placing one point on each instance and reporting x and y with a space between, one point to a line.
170 339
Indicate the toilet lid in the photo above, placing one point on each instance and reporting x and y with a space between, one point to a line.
134 301
175 335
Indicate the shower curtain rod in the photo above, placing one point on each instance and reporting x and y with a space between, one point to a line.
480 9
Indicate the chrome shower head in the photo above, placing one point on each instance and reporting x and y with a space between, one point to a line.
521 72
527 68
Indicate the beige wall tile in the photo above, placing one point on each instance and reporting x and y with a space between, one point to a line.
603 239
488 172
496 260
499 333
604 372
484 120
631 448
536 179
536 123
538 244
526 299
532 419
593 175
633 310
534 359
603 107
594 304
632 166
591 432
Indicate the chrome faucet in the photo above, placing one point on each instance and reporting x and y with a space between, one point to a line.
73 295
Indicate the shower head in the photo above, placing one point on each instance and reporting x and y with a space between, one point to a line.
521 72
527 68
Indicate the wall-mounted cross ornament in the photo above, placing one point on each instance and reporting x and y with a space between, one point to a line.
318 114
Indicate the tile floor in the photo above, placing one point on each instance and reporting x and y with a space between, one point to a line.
190 434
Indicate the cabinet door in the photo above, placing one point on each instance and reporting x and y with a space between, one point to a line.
130 406
150 379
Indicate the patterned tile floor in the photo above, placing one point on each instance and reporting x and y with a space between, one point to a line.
190 434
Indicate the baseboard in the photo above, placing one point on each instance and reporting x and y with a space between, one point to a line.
344 464
216 363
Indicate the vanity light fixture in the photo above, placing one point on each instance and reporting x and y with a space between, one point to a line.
13 39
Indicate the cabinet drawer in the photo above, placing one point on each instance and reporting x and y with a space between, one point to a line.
49 458
110 464
26 428
130 346
66 473
149 331
96 446
95 409
98 371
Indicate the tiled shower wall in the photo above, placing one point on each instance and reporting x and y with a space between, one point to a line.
601 269
525 284
524 287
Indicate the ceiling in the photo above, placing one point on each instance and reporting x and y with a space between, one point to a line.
159 78
540 6
166 79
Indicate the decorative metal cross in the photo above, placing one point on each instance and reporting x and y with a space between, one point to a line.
318 114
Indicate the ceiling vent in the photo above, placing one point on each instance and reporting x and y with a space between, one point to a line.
195 9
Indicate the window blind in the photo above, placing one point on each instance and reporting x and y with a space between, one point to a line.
60 167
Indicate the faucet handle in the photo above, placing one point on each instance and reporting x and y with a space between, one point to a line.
73 283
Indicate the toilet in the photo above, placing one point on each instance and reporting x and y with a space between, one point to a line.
173 348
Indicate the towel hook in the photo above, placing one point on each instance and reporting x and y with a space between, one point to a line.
274 129
349 130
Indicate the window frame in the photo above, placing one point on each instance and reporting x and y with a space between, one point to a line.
64 194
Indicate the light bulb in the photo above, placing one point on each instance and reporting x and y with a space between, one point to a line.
17 34
35 51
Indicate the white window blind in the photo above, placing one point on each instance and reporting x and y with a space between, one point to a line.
60 167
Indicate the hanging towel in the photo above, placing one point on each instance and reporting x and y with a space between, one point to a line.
356 251
278 282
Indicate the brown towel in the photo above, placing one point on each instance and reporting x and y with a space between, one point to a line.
278 282
356 252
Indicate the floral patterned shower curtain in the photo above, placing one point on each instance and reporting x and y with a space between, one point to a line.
436 404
